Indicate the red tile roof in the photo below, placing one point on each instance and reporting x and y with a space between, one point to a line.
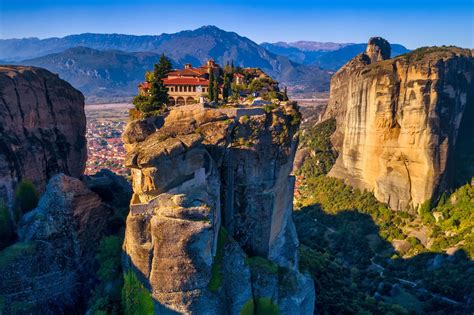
187 72
185 81
144 85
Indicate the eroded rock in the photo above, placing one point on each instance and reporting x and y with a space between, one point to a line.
50 268
212 187
399 120
42 128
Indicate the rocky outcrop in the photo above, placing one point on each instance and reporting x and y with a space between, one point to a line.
210 228
51 268
399 120
42 128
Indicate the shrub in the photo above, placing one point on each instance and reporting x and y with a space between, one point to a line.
26 198
136 299
106 296
216 269
109 258
6 225
265 306
260 262
248 308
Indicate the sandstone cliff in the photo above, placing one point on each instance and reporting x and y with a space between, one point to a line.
42 128
210 229
399 120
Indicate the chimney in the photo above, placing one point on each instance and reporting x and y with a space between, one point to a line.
188 66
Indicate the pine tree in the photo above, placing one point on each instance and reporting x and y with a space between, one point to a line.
159 93
286 94
157 97
211 85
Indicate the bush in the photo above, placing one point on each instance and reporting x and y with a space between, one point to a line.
216 277
6 226
265 306
136 299
26 198
109 258
106 297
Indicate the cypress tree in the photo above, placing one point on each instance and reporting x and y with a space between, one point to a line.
211 85
216 91
226 86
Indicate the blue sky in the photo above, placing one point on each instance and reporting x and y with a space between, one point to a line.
413 23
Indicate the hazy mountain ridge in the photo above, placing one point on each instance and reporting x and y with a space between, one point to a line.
329 56
101 75
91 70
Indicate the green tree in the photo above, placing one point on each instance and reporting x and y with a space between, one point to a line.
211 86
157 98
26 198
215 87
136 300
106 296
226 85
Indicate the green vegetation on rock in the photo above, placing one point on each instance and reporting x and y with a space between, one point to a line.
15 251
106 297
322 157
136 299
248 308
366 258
26 198
216 276
6 226
262 263
265 306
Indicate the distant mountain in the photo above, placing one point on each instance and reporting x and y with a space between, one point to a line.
102 76
293 53
330 57
184 47
309 45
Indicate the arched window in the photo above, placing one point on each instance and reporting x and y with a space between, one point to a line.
180 101
190 100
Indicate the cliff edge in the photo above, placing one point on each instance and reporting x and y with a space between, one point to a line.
210 228
402 122
42 128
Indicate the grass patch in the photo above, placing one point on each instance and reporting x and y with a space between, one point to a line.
265 306
262 263
216 269
248 308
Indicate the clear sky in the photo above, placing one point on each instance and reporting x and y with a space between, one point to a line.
413 23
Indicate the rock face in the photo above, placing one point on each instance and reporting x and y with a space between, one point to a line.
50 268
399 120
42 128
210 229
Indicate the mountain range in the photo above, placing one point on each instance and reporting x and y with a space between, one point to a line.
328 56
108 67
